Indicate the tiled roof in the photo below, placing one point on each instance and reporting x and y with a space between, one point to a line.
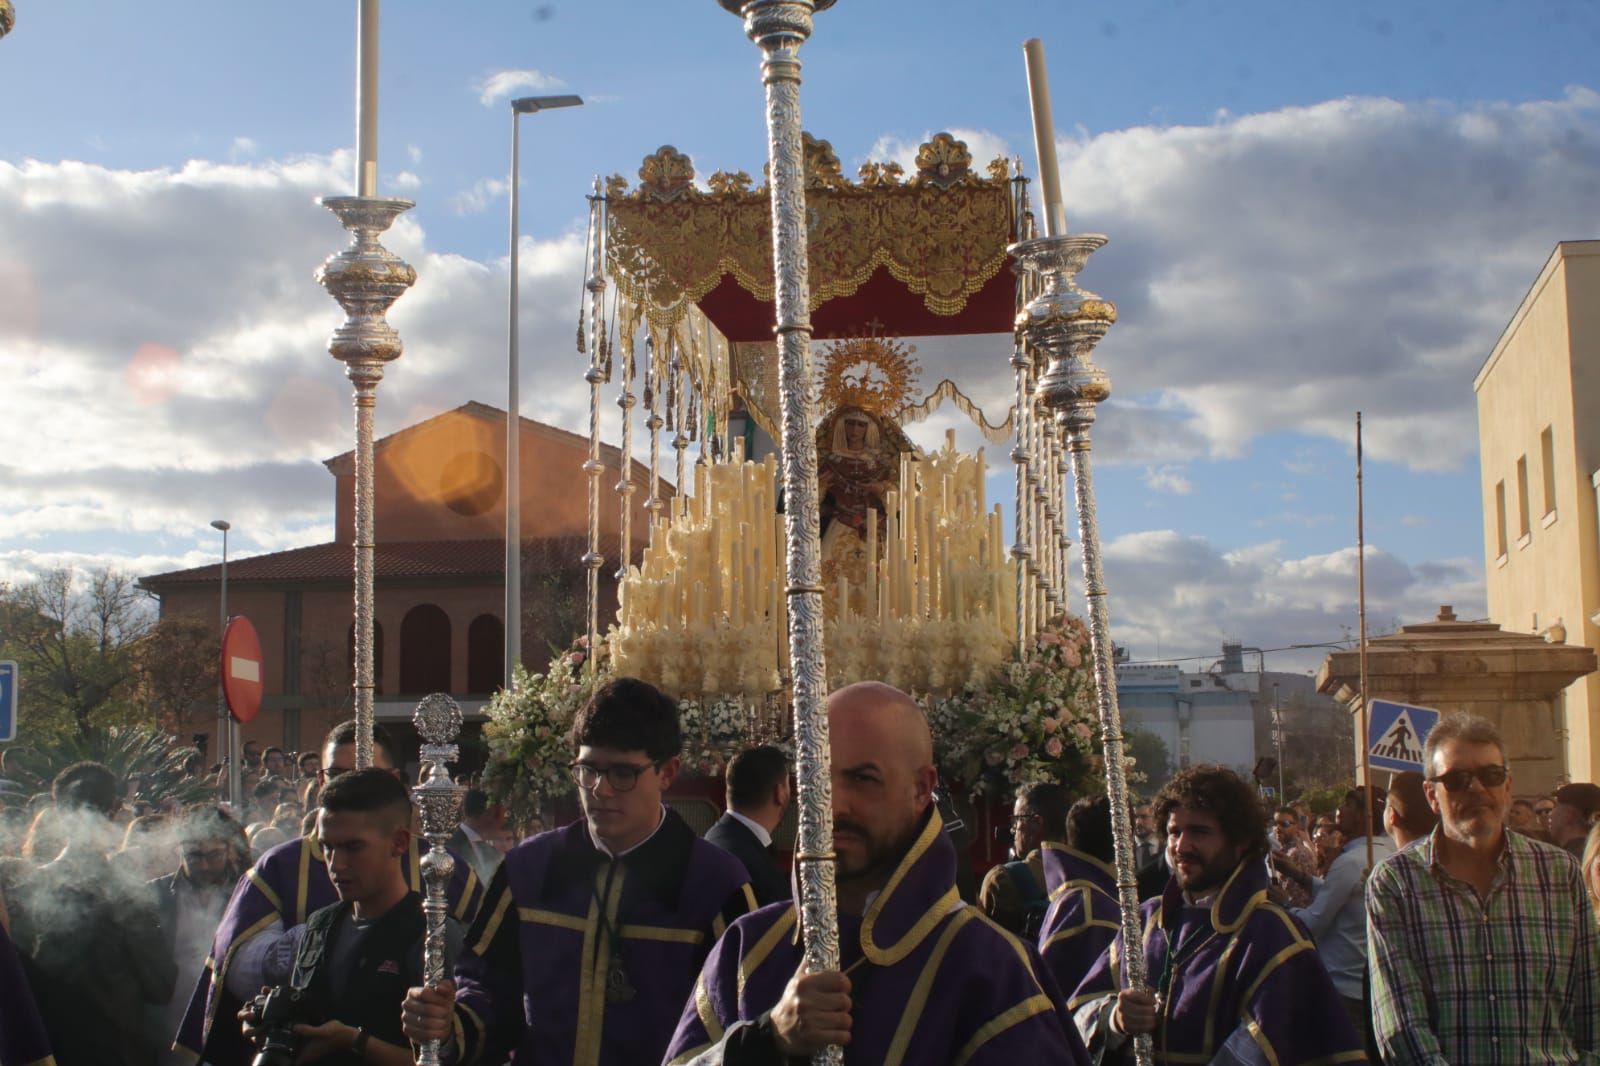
394 560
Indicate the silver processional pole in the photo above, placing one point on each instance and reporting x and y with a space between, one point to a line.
1064 323
366 279
438 720
779 28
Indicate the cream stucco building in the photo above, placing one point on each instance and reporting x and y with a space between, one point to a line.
1539 448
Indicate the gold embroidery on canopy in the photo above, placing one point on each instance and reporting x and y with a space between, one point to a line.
943 234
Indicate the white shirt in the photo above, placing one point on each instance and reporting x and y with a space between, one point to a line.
661 820
755 827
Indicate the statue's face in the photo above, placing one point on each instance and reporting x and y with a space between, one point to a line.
855 434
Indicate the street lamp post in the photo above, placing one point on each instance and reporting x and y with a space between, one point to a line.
513 654
1277 736
227 735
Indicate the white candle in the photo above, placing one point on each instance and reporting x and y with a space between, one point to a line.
367 99
1044 139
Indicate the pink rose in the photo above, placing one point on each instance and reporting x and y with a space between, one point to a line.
1051 725
1083 730
1020 751
575 658
1051 638
1053 747
1070 656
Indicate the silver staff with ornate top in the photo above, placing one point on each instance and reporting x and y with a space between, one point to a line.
438 720
779 28
1064 323
366 279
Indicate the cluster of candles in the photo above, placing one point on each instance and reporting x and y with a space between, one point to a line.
714 569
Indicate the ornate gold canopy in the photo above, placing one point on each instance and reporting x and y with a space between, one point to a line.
940 235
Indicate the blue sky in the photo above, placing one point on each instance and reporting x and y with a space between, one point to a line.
1313 209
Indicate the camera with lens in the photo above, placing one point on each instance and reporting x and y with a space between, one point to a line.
278 1011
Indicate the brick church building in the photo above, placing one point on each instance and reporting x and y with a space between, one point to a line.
440 575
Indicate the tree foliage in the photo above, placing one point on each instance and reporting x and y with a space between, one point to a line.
148 762
92 655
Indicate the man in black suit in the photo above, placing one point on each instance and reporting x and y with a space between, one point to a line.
474 837
758 793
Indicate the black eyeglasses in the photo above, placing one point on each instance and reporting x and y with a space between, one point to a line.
1461 780
621 776
1285 825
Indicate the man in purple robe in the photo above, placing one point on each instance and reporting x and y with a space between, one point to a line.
1084 916
590 936
254 945
925 979
1234 978
23 1040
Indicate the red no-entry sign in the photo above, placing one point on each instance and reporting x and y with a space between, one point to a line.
241 668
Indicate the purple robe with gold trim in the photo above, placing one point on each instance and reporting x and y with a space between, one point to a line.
23 1041
934 982
578 959
1084 916
1243 972
286 884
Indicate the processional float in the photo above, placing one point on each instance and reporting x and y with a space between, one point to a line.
684 286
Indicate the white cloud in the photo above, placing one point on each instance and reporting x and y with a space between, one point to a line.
1183 595
158 378
1167 479
484 191
503 84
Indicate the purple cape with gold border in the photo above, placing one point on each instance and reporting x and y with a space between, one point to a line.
1084 916
580 960
934 981
1243 962
286 884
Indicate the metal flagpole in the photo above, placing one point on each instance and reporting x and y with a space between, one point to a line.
596 375
779 27
1064 323
1361 613
366 279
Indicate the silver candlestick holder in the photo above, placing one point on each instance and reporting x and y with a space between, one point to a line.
438 720
1064 323
366 278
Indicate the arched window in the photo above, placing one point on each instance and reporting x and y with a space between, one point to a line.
486 654
424 651
377 657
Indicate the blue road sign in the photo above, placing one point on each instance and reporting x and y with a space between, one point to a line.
8 701
1396 733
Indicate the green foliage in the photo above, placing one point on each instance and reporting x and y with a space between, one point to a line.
143 757
1324 800
1151 757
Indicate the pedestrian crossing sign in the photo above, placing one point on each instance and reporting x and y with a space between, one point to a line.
1396 733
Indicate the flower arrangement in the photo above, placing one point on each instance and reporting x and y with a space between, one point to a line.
715 729
1033 721
529 726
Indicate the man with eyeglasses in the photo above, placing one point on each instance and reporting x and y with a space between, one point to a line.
1481 941
255 941
591 935
1013 893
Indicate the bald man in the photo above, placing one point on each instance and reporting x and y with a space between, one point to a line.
926 979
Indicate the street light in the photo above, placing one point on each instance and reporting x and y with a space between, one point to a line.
524 105
226 734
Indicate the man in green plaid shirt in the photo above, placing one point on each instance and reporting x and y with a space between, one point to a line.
1482 945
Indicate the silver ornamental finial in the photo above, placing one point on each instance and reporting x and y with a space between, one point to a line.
437 718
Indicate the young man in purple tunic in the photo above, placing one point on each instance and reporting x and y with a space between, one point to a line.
1084 916
254 945
1234 978
927 980
590 936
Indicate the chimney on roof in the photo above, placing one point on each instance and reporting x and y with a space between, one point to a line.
1446 613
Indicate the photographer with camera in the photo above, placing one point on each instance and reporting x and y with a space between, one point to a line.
356 958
